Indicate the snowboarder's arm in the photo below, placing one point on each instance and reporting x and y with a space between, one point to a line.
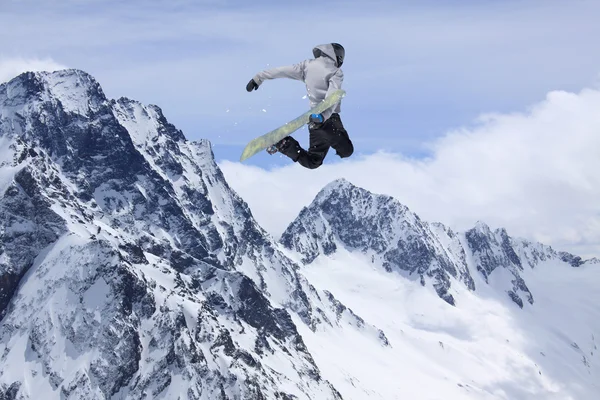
296 71
335 83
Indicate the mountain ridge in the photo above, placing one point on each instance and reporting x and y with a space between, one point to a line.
153 259
342 214
129 268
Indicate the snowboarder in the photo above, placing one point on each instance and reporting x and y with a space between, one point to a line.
322 76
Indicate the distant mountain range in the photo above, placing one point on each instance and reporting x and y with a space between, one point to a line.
129 269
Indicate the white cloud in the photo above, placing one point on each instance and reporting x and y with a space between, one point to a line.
11 67
536 173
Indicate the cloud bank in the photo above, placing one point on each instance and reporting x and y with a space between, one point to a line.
536 173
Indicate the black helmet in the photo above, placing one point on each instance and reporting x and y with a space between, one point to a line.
339 53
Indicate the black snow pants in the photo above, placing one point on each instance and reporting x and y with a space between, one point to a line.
330 134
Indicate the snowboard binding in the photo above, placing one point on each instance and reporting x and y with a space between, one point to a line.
279 146
272 149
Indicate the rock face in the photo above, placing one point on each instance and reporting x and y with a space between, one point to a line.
491 250
379 226
130 269
343 215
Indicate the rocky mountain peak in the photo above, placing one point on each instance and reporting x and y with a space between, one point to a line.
128 266
378 226
150 116
72 90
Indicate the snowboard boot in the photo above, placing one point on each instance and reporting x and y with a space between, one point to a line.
279 146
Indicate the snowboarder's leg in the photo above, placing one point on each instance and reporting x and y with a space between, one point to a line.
330 134
313 158
319 146
338 137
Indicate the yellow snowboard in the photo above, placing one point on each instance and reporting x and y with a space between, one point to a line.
264 141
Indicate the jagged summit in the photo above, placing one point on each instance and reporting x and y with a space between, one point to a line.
379 226
335 185
128 266
344 192
482 227
151 115
75 90
342 188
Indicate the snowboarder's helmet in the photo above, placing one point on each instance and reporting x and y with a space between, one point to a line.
325 50
339 53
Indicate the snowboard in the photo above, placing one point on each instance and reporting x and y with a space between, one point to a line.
266 140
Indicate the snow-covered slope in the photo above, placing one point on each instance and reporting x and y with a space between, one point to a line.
485 347
519 321
130 269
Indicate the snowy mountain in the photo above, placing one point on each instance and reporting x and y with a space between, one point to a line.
382 228
343 215
519 321
130 269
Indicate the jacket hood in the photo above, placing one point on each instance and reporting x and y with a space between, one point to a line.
334 51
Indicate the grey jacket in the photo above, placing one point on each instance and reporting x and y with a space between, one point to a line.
321 75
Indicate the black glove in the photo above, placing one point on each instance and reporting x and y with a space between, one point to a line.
315 121
251 85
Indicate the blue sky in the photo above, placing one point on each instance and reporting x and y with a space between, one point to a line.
462 110
413 70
